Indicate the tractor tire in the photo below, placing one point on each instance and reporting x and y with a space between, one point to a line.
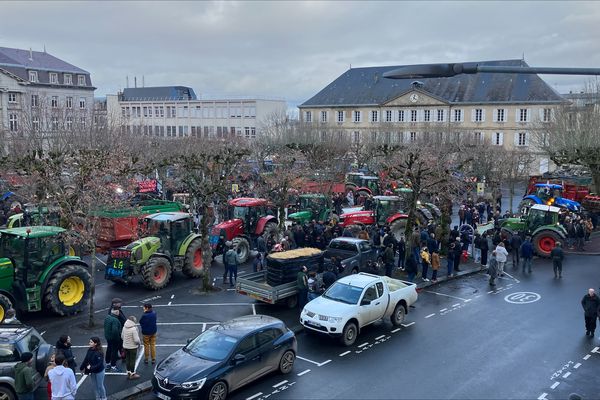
544 242
242 249
157 273
68 289
5 304
193 266
421 218
271 230
525 205
398 228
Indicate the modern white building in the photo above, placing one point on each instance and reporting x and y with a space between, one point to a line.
175 111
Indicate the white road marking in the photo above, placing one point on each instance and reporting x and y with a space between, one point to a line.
443 309
324 362
254 396
490 292
566 375
203 327
516 280
363 345
172 296
396 330
253 309
139 358
542 396
80 382
446 295
101 262
306 371
595 350
554 385
344 353
307 360
577 365
407 325
379 337
429 316
169 304
280 383
455 305
586 357
467 300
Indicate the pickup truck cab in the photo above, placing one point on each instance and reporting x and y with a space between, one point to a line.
356 255
356 301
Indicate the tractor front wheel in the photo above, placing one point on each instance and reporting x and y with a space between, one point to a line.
193 266
156 274
5 304
68 289
544 242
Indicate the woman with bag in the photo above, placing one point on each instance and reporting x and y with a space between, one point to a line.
131 342
93 365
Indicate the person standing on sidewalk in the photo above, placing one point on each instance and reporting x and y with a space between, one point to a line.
457 256
425 259
131 342
401 253
389 258
302 285
24 374
64 345
450 260
493 269
232 265
526 251
515 245
149 329
557 257
435 265
477 248
93 365
591 307
64 385
411 268
485 248
580 234
112 334
501 257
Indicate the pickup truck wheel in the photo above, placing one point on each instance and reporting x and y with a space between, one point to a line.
6 393
292 302
398 315
349 334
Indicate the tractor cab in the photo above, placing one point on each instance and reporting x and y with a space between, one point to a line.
311 206
172 228
250 211
360 181
540 215
385 206
547 192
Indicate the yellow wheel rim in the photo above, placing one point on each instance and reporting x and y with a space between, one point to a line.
1 313
71 291
71 251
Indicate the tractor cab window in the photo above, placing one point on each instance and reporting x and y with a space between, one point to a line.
543 193
240 212
536 218
180 230
372 184
164 234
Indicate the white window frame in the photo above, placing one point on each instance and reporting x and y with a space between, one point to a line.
546 114
412 136
523 115
12 97
324 116
54 102
35 123
340 116
414 116
68 79
33 76
426 115
478 137
457 115
401 116
357 116
82 103
69 122
54 122
389 115
308 117
35 100
498 139
69 102
521 139
374 116
356 136
13 122
81 80
478 115
500 112
441 112
53 78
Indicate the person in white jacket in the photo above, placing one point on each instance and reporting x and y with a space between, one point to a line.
131 342
62 380
501 256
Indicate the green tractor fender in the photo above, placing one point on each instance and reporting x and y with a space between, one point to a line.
144 248
558 230
186 243
43 279
513 225
301 216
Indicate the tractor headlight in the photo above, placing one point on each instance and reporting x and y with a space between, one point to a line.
193 385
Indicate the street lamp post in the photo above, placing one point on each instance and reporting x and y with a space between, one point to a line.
452 69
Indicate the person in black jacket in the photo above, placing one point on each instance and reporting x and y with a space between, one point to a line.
484 250
557 257
93 365
591 307
401 252
64 345
457 255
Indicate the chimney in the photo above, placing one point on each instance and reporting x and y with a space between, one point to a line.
30 54
135 81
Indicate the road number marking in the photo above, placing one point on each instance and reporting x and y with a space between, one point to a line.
554 385
522 298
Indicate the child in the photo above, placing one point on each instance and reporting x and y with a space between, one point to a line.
435 264
425 257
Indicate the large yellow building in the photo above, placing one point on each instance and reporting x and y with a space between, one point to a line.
496 109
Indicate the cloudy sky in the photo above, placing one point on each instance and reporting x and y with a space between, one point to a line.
292 49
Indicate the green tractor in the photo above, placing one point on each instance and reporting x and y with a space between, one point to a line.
541 223
36 273
312 206
171 245
34 215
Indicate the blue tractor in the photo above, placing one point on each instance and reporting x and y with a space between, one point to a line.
549 194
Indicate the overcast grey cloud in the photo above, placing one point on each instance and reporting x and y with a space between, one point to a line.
291 49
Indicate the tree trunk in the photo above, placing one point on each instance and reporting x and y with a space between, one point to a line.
595 179
91 321
446 220
206 249
511 187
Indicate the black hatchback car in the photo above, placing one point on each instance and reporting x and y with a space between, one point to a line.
225 358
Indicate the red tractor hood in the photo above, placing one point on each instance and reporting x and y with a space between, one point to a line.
230 223
355 214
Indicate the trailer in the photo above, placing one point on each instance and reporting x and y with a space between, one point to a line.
255 285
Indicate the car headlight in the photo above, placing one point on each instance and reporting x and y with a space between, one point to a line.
194 385
335 320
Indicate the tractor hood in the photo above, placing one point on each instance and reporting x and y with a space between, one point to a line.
357 214
300 215
148 241
230 223
571 205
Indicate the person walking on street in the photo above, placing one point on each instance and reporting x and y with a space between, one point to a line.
515 245
64 345
112 334
435 265
257 264
131 342
493 269
93 365
401 252
450 260
24 373
501 257
485 248
557 257
526 251
591 307
64 385
302 285
580 234
149 329
477 248
388 259
425 259
457 255
228 245
232 264
411 269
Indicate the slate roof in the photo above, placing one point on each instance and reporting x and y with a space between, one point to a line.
367 87
158 93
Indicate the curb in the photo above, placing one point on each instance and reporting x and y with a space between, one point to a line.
132 392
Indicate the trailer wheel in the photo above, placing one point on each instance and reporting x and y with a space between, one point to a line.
68 289
5 304
157 273
193 267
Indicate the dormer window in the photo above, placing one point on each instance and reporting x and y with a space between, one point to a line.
33 76
68 79
53 78
81 80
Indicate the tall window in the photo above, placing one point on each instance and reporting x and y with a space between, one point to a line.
427 115
546 113
413 115
478 115
69 102
146 111
440 115
400 115
478 138
356 137
33 76
323 116
68 78
12 97
173 112
457 115
35 123
54 102
500 115
498 138
413 136
307 117
82 104
523 115
388 116
69 122
356 116
13 124
522 139
53 78
81 80
374 116
340 116
35 100
82 122
54 123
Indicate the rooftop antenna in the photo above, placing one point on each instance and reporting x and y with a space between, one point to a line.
135 81
523 56
30 54
350 66
44 47
127 81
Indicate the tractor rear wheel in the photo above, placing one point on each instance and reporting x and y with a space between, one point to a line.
5 304
242 249
544 242
398 228
193 267
68 289
271 230
157 273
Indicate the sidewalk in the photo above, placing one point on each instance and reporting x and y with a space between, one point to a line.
592 248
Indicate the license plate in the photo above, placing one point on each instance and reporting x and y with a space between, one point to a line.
314 324
162 396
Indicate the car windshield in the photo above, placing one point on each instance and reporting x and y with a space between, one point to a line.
343 293
211 345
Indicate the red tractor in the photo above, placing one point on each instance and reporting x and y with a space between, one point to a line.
249 218
386 211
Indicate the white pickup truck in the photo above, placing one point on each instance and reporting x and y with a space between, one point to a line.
356 301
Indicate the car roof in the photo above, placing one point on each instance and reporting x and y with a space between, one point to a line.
387 198
33 231
545 207
12 332
358 280
241 326
169 216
